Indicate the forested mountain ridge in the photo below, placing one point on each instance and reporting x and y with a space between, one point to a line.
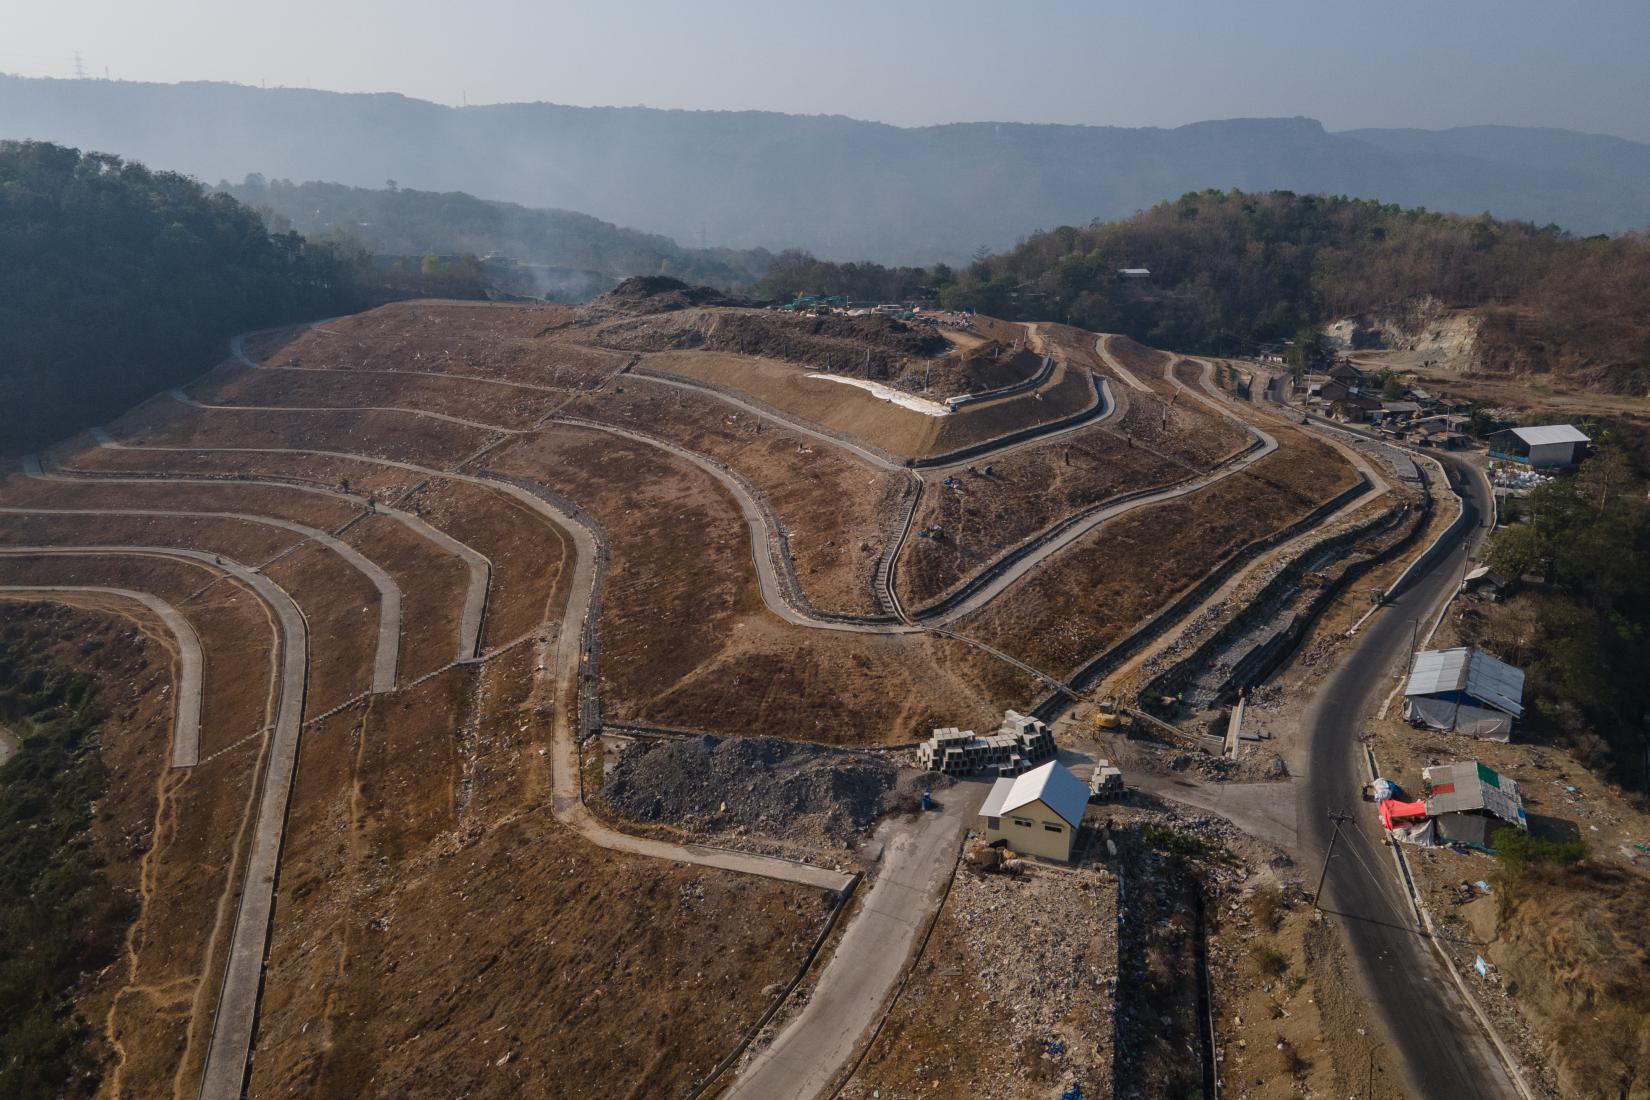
842 188
397 221
1231 270
119 281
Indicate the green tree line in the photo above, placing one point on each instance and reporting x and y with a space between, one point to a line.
117 281
1580 628
59 915
1231 270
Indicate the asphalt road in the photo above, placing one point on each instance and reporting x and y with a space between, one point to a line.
814 1047
1441 1048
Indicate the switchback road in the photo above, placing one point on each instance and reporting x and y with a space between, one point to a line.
231 1042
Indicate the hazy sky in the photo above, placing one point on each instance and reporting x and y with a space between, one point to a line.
1574 63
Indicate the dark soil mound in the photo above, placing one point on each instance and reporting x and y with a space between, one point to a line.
642 295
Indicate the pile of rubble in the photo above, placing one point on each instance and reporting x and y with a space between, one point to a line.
1043 950
764 785
873 347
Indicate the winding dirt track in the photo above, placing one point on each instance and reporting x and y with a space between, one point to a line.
186 721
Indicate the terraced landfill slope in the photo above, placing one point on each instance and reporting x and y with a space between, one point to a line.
426 550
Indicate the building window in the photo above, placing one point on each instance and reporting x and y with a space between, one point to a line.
1022 822
994 823
1052 828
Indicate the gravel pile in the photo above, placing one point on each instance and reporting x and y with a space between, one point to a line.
763 785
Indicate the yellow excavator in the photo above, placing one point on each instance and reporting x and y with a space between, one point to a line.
1110 715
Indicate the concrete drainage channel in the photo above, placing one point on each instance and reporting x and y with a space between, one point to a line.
1255 641
1100 666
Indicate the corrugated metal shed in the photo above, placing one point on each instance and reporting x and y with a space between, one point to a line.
1551 433
1492 682
1469 786
1050 784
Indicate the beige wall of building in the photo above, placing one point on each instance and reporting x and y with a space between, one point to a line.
1033 829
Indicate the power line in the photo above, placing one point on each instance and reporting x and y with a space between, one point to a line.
1338 817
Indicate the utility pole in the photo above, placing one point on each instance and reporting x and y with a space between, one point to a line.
79 67
1338 817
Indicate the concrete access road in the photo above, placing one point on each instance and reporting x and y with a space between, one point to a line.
231 1043
569 805
478 568
814 1048
186 717
387 654
1445 1052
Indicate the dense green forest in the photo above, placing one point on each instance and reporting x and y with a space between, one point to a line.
1231 270
1580 627
399 221
119 281
59 916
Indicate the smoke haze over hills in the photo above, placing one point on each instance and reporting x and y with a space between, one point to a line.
843 188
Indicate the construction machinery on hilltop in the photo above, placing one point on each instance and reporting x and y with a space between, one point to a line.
1110 715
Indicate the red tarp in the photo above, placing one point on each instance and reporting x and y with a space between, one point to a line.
1392 810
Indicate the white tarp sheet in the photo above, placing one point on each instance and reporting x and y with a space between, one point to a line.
888 393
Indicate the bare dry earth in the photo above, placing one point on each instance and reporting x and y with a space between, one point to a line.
420 816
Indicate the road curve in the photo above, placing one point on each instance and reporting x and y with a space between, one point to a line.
764 530
477 566
567 667
387 656
186 720
815 1045
1445 1053
1104 408
1102 348
232 1024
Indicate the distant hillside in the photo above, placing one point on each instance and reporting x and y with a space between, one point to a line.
839 187
1229 270
592 255
119 281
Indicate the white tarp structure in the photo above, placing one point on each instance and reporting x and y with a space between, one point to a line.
1465 690
888 393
